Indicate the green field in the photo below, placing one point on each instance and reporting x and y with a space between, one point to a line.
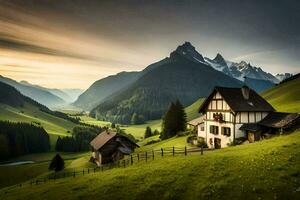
168 143
285 97
93 121
11 175
136 130
53 125
268 169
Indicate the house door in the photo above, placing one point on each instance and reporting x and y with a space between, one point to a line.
251 137
217 142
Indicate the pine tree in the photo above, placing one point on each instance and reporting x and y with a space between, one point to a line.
180 116
174 120
148 132
57 163
58 144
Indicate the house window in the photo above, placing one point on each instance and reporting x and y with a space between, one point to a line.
202 128
225 131
214 129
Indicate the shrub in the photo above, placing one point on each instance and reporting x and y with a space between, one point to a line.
202 143
57 163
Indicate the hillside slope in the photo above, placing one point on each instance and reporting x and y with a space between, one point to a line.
285 97
263 170
184 76
103 88
38 94
192 111
259 85
18 108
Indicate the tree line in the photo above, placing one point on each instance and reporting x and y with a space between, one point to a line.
80 139
22 138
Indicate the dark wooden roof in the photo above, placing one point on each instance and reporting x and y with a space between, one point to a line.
254 127
236 101
102 139
280 120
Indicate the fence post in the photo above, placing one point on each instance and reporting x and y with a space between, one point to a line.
152 154
173 151
202 150
74 174
88 170
83 172
94 170
146 156
138 155
185 150
131 159
124 163
162 152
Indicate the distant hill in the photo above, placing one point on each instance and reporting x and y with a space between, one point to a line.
73 93
68 95
105 87
16 107
184 76
259 85
285 97
56 92
38 94
284 76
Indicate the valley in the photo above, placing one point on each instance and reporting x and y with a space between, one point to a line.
158 100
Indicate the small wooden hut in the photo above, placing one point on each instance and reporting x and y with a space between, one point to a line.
110 146
274 122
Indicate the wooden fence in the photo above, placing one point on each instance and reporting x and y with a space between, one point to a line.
127 161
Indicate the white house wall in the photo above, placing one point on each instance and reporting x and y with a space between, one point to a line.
225 140
219 105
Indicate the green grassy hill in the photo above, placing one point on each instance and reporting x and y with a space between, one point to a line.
11 175
285 97
268 169
192 110
16 107
55 126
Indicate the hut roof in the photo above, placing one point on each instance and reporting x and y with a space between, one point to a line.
196 121
237 102
280 120
102 139
254 127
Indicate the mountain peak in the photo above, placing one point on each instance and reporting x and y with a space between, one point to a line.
188 51
219 59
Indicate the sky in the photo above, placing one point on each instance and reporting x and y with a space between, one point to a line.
72 43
